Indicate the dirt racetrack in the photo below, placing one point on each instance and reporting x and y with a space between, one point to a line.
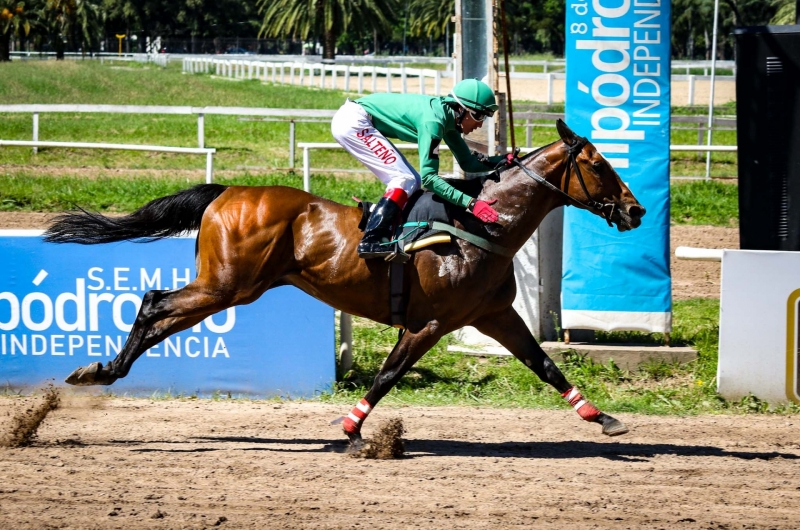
123 463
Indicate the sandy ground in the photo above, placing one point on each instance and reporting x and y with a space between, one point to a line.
690 279
119 463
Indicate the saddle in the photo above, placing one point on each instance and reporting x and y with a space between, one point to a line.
426 220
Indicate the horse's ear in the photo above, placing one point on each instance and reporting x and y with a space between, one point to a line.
565 132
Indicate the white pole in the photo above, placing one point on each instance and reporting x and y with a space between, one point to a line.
35 130
209 167
291 144
374 78
306 171
403 78
691 90
201 130
347 78
711 96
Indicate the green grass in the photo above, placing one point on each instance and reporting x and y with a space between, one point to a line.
443 378
705 203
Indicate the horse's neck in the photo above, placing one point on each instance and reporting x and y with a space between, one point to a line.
523 203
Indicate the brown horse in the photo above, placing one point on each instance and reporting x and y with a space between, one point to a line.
254 238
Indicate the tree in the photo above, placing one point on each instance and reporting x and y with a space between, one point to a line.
430 17
325 19
78 21
786 12
15 20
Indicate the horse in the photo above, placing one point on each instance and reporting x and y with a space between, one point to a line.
251 239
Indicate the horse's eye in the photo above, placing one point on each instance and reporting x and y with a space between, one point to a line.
597 164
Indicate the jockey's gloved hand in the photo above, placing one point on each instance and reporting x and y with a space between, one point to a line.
510 158
483 210
483 159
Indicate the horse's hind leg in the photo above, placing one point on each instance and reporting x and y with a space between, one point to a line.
508 328
161 314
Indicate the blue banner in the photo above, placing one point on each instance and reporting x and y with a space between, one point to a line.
65 306
618 95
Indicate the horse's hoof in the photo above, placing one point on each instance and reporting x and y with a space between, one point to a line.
612 426
356 442
94 374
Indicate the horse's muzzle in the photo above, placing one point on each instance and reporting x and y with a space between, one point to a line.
628 216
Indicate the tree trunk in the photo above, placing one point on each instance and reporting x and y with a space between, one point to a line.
5 48
329 45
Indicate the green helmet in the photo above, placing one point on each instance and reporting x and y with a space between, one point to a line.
474 95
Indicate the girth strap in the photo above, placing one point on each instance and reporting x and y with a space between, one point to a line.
475 240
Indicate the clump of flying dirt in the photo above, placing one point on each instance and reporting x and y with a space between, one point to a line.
25 424
387 442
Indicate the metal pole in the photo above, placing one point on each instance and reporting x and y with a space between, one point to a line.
291 144
711 96
306 171
35 130
345 343
508 75
201 130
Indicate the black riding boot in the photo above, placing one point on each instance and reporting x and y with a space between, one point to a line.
379 230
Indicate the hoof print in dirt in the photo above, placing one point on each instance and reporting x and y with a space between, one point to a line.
385 445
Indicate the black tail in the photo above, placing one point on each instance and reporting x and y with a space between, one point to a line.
159 218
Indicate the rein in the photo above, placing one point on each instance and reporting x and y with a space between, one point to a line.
589 204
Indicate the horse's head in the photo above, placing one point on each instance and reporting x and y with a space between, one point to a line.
592 183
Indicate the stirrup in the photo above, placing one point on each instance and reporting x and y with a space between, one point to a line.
397 255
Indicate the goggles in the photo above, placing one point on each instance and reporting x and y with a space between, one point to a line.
479 117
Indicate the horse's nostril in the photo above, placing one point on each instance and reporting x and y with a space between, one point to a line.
636 210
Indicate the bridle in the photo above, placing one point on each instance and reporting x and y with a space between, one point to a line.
590 204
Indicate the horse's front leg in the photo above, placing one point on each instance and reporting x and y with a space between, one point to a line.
408 350
508 328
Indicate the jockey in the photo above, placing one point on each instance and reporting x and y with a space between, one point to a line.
362 127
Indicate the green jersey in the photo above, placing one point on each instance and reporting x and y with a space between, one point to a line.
428 121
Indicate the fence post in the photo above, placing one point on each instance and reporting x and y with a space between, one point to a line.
291 74
283 71
421 78
35 130
209 167
291 144
306 171
274 67
388 79
345 343
437 84
201 130
528 133
360 79
700 130
302 69
550 89
347 78
374 78
322 76
691 90
403 78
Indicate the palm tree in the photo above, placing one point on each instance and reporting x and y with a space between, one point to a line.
15 20
327 19
430 17
786 14
73 19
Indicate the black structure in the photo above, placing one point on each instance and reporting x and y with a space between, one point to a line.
768 136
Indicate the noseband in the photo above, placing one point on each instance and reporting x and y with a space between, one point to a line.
590 204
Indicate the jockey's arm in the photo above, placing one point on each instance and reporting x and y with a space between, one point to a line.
429 141
466 160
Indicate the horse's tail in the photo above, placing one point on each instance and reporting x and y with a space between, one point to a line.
159 218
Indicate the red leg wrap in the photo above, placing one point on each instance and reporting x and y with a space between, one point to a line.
352 422
397 195
582 406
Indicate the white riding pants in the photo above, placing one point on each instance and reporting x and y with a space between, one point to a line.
353 129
